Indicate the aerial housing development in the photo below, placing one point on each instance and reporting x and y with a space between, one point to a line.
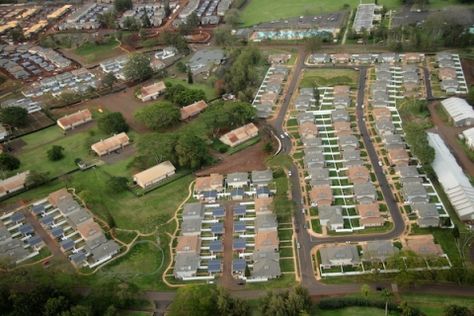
230 157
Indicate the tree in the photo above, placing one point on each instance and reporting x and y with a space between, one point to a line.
365 290
8 162
242 73
55 306
182 96
191 150
35 178
146 23
159 115
176 40
386 294
17 34
55 153
192 22
407 310
112 123
417 139
180 66
456 310
117 184
154 148
138 68
14 116
107 19
109 80
470 95
132 24
78 310
123 5
268 147
194 300
166 7
190 77
455 232
247 271
229 306
223 36
232 17
296 301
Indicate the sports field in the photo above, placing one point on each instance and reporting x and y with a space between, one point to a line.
257 11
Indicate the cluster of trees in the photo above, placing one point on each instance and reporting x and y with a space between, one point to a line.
186 150
51 300
241 76
191 23
417 139
182 96
176 40
112 123
8 162
123 5
159 115
14 116
138 68
295 301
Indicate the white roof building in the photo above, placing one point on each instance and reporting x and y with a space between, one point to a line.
469 137
459 111
453 180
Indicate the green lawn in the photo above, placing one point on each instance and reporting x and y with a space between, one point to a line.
353 311
33 155
143 259
329 77
433 305
92 52
257 11
207 88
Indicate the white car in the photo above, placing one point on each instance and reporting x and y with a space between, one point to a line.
282 136
380 163
298 245
302 211
289 173
286 134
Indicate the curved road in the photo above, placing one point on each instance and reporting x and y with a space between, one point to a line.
307 241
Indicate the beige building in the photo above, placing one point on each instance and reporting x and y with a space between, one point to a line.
73 120
151 92
154 174
110 144
193 109
214 181
240 135
13 184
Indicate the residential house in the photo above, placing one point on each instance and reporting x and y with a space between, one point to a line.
308 129
153 175
266 265
447 74
365 193
314 158
342 128
450 86
321 196
408 172
413 58
193 211
213 182
339 255
427 213
186 265
340 115
239 135
358 174
13 184
304 117
263 205
190 227
73 120
237 194
237 179
379 250
319 59
331 217
398 156
108 145
262 178
312 142
266 241
192 110
341 58
384 126
319 176
279 58
348 142
265 222
414 192
370 215
304 102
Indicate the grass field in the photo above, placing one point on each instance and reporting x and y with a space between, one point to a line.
353 311
329 77
143 259
92 52
258 11
207 88
434 305
33 155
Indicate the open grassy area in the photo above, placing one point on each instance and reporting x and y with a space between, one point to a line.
329 77
257 11
92 52
206 87
353 311
434 305
33 155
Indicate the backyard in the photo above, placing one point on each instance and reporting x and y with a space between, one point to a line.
329 77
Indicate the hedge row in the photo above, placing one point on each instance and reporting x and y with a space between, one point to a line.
342 302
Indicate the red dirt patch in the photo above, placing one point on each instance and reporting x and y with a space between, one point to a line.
468 68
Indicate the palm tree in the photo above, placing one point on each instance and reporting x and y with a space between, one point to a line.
386 294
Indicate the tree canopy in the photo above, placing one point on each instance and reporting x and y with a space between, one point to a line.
14 116
296 301
138 68
112 123
182 96
228 115
159 115
417 139
8 162
55 153
123 5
